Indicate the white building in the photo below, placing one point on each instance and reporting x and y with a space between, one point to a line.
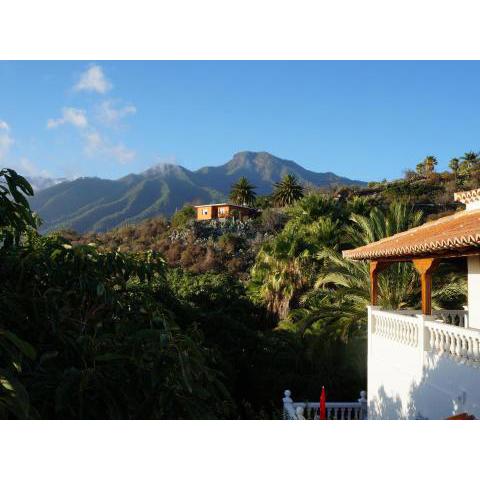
426 364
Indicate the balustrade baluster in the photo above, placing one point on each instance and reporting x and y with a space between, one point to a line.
447 343
467 352
458 345
441 336
437 340
464 349
476 350
453 344
432 339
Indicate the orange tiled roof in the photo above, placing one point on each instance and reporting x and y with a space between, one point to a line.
448 235
224 205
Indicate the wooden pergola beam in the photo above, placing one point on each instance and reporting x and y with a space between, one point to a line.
425 268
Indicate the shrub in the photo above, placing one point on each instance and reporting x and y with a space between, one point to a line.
183 217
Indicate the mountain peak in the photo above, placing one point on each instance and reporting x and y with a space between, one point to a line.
251 160
100 205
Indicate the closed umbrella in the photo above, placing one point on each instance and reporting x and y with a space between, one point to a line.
323 406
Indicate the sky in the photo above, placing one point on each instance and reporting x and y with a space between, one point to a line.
363 120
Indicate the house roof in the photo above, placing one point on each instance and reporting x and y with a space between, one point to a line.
456 234
224 205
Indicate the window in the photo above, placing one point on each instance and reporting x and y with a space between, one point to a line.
222 209
205 211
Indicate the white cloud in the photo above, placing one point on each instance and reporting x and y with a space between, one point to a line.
93 80
122 154
110 112
6 140
27 167
95 144
70 115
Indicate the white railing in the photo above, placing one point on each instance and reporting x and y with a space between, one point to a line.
443 332
334 410
401 328
461 344
453 317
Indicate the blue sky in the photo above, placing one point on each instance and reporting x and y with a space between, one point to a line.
365 120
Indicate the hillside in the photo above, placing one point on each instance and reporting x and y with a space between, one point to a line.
94 204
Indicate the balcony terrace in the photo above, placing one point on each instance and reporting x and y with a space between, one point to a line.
425 364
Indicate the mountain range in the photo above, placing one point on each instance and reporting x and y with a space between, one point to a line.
95 204
41 183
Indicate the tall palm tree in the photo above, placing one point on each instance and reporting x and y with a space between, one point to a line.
286 265
454 165
243 192
471 158
287 191
470 163
430 163
342 289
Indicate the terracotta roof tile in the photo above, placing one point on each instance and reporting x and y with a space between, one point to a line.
452 234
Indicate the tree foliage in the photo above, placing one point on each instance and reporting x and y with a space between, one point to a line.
15 215
243 192
181 319
287 191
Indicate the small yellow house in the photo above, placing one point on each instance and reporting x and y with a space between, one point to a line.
223 210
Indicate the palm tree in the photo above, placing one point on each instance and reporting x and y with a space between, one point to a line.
243 192
470 163
287 191
420 168
471 158
342 289
285 266
454 165
430 162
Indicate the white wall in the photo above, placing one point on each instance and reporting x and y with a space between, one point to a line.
406 382
473 264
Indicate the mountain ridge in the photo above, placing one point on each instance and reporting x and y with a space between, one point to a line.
96 204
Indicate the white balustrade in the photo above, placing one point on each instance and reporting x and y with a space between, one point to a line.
453 317
334 410
396 326
445 332
461 344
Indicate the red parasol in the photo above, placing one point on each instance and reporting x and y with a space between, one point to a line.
323 409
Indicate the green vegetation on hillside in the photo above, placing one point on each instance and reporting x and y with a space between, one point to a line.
172 318
93 204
